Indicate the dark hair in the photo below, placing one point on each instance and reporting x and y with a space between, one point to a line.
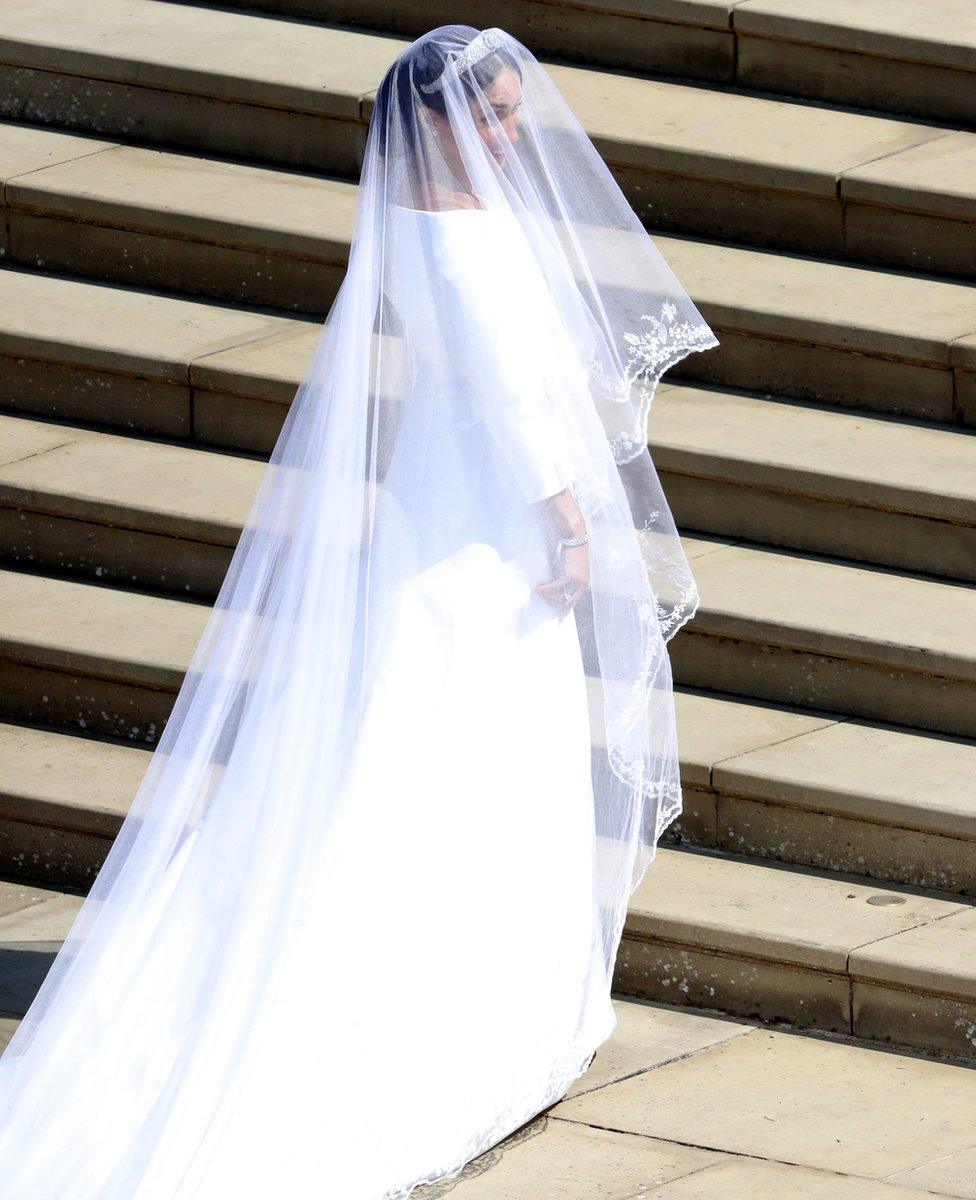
422 62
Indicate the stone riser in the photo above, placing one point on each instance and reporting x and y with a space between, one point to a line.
894 539
826 841
794 368
790 675
705 45
132 557
834 226
836 76
779 992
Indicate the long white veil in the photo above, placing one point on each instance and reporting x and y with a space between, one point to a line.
142 1023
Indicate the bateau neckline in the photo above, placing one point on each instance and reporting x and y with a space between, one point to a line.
436 212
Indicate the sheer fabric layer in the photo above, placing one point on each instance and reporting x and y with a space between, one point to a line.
362 917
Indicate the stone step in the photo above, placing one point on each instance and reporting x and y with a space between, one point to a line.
714 163
765 1108
811 788
776 944
792 628
801 327
813 949
831 633
34 922
62 800
893 58
126 510
774 1112
765 780
800 784
896 57
93 658
149 514
826 633
143 362
761 1113
789 473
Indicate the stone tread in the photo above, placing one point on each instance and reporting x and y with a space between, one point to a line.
773 754
858 460
270 210
740 911
820 762
891 618
855 459
810 1118
42 770
806 759
305 67
817 920
942 33
304 222
870 614
762 1108
117 635
92 326
105 478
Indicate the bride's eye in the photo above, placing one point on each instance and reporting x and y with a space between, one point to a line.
503 113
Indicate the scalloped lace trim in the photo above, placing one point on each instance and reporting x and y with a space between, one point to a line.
652 352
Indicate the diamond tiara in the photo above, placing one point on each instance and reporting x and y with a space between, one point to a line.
480 46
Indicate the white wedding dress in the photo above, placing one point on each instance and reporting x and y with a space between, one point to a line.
360 921
470 988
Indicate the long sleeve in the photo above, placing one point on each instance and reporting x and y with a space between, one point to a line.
530 435
520 371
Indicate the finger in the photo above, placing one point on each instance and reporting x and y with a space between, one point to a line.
553 592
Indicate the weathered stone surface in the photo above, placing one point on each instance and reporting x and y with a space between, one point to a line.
806 1100
866 649
748 1178
550 1158
648 1035
764 911
894 56
114 634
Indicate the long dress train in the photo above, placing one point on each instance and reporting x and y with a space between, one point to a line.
444 981
360 920
473 990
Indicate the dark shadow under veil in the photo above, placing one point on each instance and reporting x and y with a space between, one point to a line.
361 919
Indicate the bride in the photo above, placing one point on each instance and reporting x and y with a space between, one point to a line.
361 920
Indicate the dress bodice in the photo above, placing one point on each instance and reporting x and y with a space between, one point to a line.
486 346
448 274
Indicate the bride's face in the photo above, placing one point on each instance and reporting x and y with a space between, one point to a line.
505 97
504 94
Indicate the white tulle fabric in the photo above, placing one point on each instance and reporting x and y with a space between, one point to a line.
360 922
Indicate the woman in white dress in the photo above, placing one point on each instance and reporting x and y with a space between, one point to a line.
361 920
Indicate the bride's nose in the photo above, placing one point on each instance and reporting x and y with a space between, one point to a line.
510 126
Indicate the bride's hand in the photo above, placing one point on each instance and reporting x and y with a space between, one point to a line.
573 580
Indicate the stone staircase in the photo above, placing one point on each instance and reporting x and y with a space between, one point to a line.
178 192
